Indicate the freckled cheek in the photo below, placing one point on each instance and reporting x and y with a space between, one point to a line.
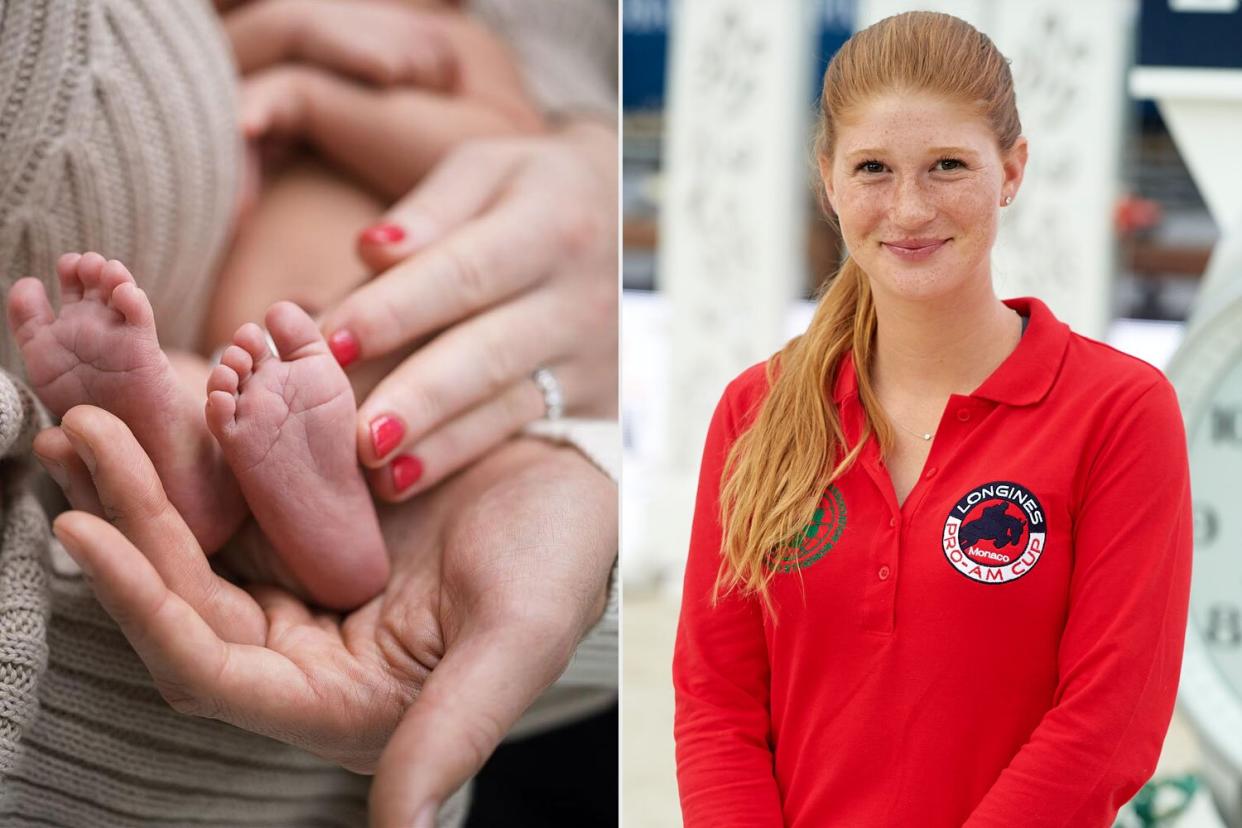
970 206
980 221
856 237
859 215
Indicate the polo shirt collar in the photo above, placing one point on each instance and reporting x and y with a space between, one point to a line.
1026 375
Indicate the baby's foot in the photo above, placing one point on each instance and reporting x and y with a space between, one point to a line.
102 350
286 424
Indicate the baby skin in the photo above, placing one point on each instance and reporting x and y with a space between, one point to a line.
277 435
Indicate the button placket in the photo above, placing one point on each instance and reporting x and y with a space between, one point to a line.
880 588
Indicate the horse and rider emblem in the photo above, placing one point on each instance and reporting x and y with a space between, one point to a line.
995 533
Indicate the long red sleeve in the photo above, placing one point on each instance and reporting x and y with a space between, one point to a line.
720 674
1121 651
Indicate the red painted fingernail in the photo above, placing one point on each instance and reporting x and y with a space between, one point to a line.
406 469
382 234
386 434
344 346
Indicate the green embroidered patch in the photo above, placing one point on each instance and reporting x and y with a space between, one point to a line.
819 536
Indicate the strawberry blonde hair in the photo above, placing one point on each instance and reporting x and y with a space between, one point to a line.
777 470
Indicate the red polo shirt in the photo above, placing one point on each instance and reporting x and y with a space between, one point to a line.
1003 649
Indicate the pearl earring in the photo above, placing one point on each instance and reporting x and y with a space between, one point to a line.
1007 200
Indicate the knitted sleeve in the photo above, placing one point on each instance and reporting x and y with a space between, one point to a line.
567 48
24 537
589 683
595 662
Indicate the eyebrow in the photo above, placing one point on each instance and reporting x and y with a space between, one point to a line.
931 151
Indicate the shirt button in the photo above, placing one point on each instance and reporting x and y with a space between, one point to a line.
963 414
930 473
884 573
892 522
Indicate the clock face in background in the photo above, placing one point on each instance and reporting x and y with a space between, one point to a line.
1215 435
1207 372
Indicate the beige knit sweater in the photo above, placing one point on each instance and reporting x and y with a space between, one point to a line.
568 49
88 91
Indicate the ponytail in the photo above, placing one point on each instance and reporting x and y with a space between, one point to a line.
777 470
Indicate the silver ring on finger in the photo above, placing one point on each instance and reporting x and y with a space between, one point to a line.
553 397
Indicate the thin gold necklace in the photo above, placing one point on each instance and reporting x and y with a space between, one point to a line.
923 436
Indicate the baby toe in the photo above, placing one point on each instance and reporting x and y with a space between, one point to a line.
222 378
133 304
296 335
112 275
90 268
221 409
67 271
250 337
29 309
238 358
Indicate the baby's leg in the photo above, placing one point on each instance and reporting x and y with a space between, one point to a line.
102 349
191 370
297 245
286 425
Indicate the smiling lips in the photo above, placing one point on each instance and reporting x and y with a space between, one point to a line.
914 249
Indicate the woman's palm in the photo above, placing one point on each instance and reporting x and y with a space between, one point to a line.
496 574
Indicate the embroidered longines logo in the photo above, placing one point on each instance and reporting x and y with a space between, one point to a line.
819 536
995 533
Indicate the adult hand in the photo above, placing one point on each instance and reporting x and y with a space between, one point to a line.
381 89
503 260
374 42
496 576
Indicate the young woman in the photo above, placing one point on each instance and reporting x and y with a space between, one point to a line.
940 563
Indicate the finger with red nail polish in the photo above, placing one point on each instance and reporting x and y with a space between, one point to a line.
406 470
382 234
387 432
344 346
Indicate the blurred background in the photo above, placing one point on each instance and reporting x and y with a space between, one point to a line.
1134 180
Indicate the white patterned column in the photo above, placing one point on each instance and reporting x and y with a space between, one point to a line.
732 230
1069 61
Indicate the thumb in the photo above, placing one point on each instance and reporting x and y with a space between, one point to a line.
483 684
